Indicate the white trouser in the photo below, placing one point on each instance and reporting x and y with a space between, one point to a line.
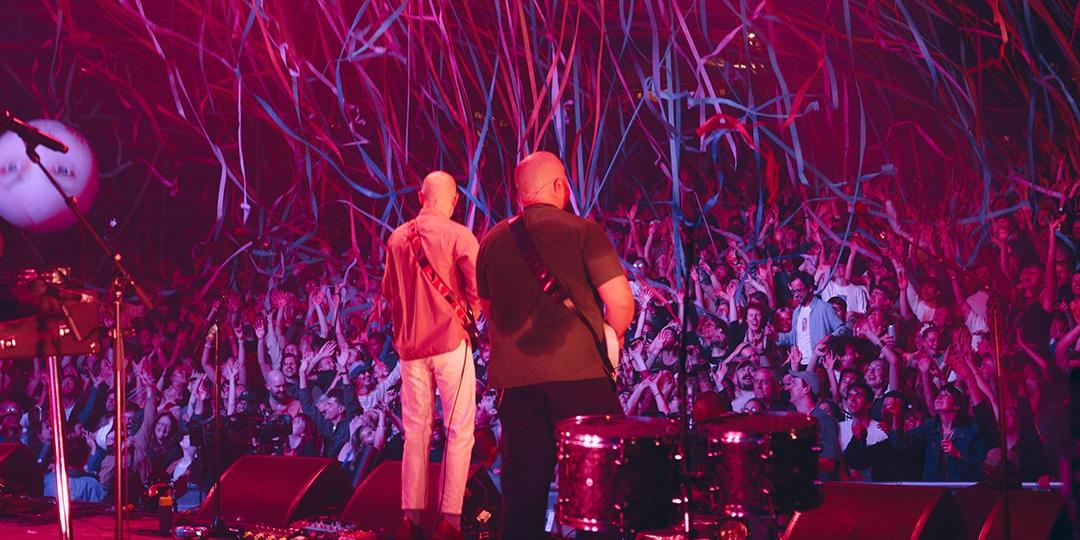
419 378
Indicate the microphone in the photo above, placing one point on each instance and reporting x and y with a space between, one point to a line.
30 134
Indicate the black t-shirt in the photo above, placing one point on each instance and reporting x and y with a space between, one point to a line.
534 339
1034 322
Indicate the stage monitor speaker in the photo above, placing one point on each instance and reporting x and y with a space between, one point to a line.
274 491
1034 515
376 504
880 512
19 472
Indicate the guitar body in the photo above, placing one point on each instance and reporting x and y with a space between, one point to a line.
611 341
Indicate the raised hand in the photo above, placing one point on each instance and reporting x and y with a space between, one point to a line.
260 328
888 340
645 294
355 424
794 357
143 374
901 274
307 362
830 361
233 301
202 391
1054 222
924 365
230 370
730 288
343 358
822 347
327 350
238 331
278 299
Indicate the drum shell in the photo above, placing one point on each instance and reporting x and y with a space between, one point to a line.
762 464
613 483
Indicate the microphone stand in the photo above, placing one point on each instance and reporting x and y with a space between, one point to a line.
217 525
122 281
684 406
995 317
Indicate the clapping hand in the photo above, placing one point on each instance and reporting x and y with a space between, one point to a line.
924 365
318 296
88 436
729 290
143 374
105 372
307 362
343 357
193 383
765 272
231 370
201 392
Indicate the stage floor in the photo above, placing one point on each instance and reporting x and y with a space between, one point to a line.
96 527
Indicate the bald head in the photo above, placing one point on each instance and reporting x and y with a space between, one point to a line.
277 385
274 378
439 191
541 178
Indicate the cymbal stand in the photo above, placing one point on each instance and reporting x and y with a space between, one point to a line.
56 420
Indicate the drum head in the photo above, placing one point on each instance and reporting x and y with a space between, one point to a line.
608 427
751 425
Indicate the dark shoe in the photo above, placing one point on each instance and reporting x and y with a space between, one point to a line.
409 530
445 531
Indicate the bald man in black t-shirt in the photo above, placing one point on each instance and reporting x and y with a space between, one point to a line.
543 358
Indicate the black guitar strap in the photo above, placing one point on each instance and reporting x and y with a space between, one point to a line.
551 286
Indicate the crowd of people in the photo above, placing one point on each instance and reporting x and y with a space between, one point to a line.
888 336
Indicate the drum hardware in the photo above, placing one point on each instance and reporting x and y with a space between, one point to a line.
617 474
624 475
66 330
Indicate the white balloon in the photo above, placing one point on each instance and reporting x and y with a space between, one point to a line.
27 199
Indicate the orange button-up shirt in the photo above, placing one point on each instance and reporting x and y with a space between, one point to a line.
424 323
